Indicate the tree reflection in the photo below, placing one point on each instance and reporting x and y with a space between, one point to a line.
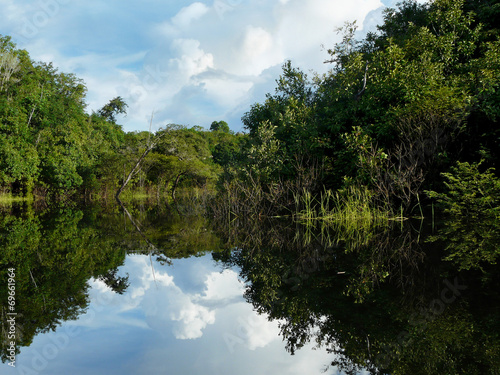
56 252
53 256
385 302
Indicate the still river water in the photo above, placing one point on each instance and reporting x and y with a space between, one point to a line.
152 289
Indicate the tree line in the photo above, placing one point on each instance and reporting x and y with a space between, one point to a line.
50 145
409 109
397 115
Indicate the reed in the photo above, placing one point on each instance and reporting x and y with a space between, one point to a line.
351 207
8 198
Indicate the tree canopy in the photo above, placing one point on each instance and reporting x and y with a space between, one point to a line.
395 110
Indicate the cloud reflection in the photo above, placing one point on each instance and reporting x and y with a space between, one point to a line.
188 318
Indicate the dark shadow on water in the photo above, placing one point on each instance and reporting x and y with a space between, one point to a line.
393 300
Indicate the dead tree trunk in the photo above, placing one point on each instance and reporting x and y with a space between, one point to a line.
176 183
151 145
136 166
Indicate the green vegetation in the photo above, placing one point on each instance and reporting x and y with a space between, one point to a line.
352 206
395 113
52 148
57 250
405 120
9 198
391 118
377 300
471 201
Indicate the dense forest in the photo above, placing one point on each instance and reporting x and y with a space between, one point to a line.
51 147
406 114
404 124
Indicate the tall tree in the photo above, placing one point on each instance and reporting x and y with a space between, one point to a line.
115 107
220 126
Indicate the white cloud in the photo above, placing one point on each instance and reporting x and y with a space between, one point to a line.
11 11
169 308
192 319
258 52
183 319
182 21
226 92
191 59
189 14
165 305
261 332
222 286
156 54
306 25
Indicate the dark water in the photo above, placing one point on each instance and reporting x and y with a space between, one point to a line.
151 289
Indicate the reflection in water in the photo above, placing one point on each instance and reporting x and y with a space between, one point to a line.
385 302
382 300
55 253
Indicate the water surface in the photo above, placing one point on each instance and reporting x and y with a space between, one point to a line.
152 289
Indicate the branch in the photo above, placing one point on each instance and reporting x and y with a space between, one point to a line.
151 145
359 94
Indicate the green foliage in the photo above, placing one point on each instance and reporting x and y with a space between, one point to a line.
472 231
57 251
9 64
352 209
182 155
53 256
263 155
227 152
377 303
396 108
46 137
115 107
289 116
221 126
470 194
393 113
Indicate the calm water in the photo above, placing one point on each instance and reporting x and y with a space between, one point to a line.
148 289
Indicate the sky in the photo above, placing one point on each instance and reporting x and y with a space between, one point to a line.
188 318
183 62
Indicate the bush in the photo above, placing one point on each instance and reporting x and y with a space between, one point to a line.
470 193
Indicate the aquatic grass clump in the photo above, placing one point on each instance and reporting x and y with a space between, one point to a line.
8 198
350 207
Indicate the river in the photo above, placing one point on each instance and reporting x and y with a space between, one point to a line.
146 288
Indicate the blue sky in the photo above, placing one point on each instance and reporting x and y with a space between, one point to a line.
187 62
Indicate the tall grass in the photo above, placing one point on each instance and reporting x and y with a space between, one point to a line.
8 198
351 207
352 214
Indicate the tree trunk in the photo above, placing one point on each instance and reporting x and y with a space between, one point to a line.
151 145
176 183
136 166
